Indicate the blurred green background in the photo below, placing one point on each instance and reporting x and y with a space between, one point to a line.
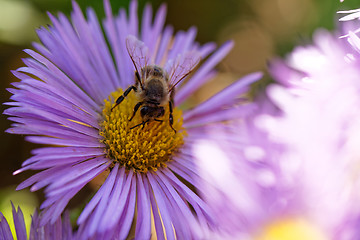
261 29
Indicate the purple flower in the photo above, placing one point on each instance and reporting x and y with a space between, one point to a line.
60 229
320 129
351 14
291 166
66 99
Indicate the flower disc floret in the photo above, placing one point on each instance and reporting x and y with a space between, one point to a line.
142 148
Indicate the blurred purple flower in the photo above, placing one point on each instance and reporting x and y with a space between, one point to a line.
62 100
60 229
292 167
350 15
320 127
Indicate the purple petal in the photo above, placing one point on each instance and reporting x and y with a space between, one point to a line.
110 217
66 226
193 199
73 172
133 18
146 24
143 224
5 232
206 49
46 177
222 98
155 30
198 79
19 223
220 115
76 64
34 226
155 210
129 211
53 213
112 35
183 42
62 154
181 171
52 75
76 151
42 127
97 52
65 142
105 53
38 112
96 218
164 45
48 173
113 214
177 208
163 207
91 205
83 179
117 30
39 90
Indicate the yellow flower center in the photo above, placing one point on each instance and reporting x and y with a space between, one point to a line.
141 148
291 229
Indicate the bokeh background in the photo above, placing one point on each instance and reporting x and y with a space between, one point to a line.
261 30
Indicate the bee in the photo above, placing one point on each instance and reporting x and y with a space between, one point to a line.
155 85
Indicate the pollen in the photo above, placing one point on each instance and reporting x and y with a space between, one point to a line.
143 148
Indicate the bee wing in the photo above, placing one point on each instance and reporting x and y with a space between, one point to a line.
138 53
181 67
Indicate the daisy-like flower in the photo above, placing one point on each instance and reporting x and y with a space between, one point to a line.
60 229
293 168
74 95
322 135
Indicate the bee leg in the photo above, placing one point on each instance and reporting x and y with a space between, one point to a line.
171 120
122 97
142 123
135 109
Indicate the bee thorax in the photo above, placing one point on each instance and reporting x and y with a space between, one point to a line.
155 91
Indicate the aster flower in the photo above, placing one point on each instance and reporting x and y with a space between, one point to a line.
324 130
60 229
291 166
66 99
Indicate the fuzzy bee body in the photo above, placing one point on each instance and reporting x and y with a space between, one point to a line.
155 85
154 88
